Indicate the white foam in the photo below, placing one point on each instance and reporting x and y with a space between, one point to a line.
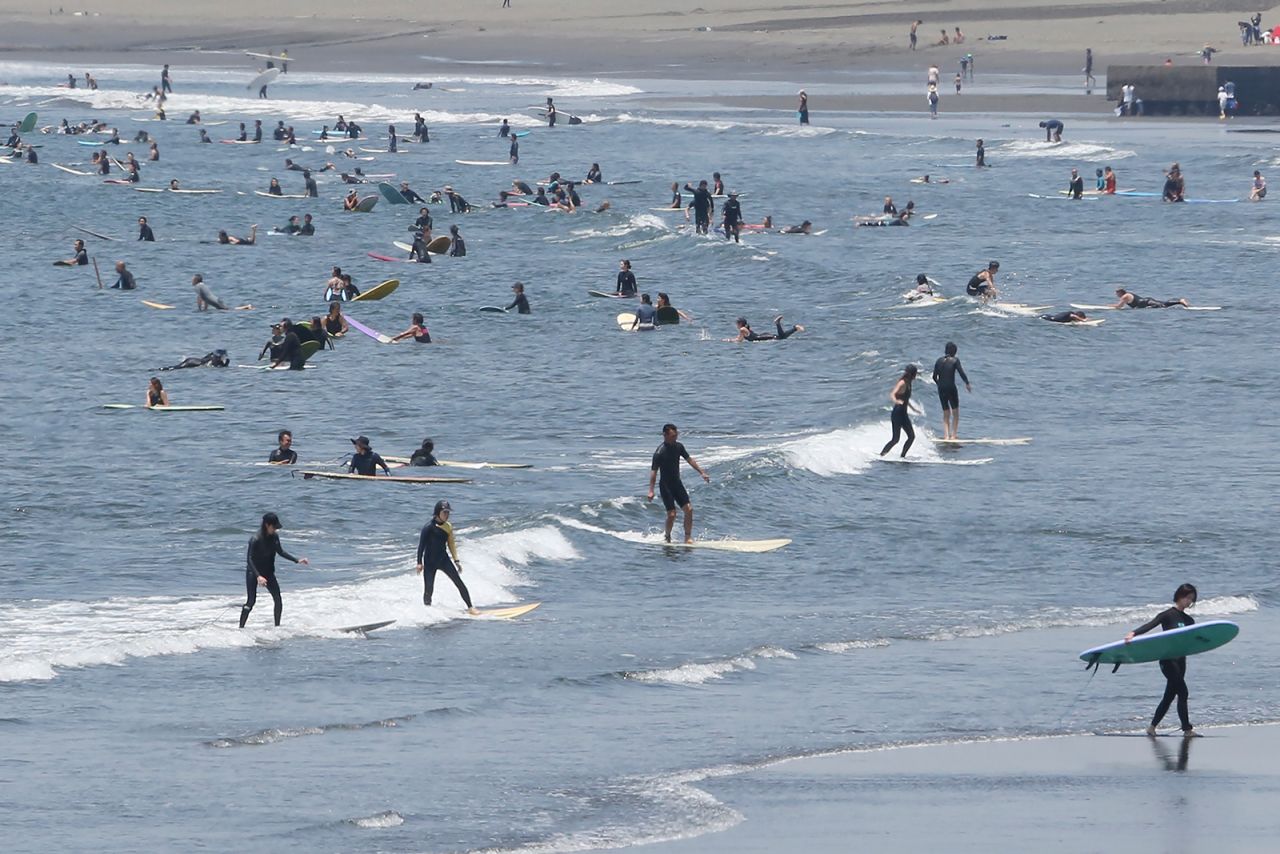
39 639
390 818
1028 148
696 673
848 646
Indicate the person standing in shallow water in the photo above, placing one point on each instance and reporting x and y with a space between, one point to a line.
803 110
260 566
1174 669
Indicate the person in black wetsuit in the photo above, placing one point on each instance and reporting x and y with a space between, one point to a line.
703 206
284 454
626 280
1174 669
124 280
593 174
409 195
551 113
732 213
290 348
435 547
1052 130
364 461
1065 317
81 257
457 246
310 183
983 283
144 231
1175 186
746 333
981 161
1075 188
944 377
514 151
505 130
260 566
425 455
1128 299
520 302
666 460
900 419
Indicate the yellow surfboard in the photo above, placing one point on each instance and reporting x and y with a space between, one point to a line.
508 613
379 291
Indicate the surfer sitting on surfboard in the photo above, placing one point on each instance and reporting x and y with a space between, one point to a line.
1174 669
983 283
1128 299
519 302
435 546
156 395
666 459
746 333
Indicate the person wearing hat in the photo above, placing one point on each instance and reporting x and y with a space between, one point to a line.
260 566
521 302
435 546
732 222
364 461
983 283
803 110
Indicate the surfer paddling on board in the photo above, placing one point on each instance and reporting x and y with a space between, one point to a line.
667 461
1174 669
435 546
1065 317
1128 299
900 419
746 333
365 461
944 377
983 283
260 566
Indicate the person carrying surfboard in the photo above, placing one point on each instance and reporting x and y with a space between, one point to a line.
666 460
435 546
260 566
1174 669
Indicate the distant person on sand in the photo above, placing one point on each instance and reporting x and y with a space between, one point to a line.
933 102
959 37
959 81
944 41
1089 80
803 110
506 4
914 26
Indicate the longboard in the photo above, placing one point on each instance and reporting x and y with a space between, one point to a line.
438 245
1175 643
164 408
265 194
1021 440
1113 308
507 613
92 233
378 291
69 170
747 546
333 475
367 204
391 194
367 627
263 79
28 123
458 464
151 304
482 162
372 333
493 309
607 295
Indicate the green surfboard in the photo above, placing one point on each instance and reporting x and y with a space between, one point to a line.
1175 643
28 123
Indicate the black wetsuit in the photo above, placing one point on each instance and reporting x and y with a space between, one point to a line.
520 304
82 258
312 190
457 204
145 233
260 561
1060 317
1173 188
977 285
307 229
433 554
504 131
283 455
125 282
781 335
1076 187
457 246
732 220
666 462
410 196
901 421
703 205
423 457
594 176
1174 669
944 376
982 156
626 283
367 464
291 351
1148 302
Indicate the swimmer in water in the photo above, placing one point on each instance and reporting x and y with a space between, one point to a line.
746 333
417 330
1128 299
900 419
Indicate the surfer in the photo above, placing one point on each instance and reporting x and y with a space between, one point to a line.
457 204
334 323
1128 299
703 206
802 111
409 195
260 565
290 349
457 246
626 279
205 298
420 131
732 218
80 257
284 454
1259 191
944 377
666 459
1075 187
153 153
745 332
365 461
900 419
677 202
351 202
291 227
805 227
312 191
165 86
593 175
417 330
983 283
204 136
1052 130
665 308
923 289
1174 185
1174 669
519 302
1108 181
514 151
541 198
646 316
308 226
505 130
274 345
228 239
981 162
1065 317
392 140
419 251
124 278
435 546
425 455
551 113
156 395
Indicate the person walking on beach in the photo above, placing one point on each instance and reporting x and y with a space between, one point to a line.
914 26
666 460
944 377
506 4
1089 81
1174 669
260 566
436 547
900 419
803 110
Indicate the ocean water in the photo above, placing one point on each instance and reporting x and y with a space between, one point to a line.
945 599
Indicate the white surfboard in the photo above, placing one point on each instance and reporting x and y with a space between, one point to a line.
1021 440
744 546
263 79
483 162
164 408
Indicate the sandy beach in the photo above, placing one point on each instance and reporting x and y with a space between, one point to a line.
746 41
1086 793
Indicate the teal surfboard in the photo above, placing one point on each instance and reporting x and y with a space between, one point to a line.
1174 643
391 194
28 123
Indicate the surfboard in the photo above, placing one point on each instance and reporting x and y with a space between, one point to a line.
625 321
367 204
263 79
1083 307
745 546
238 141
391 194
1157 646
1113 308
90 142
380 257
1021 440
493 309
92 233
620 183
277 59
274 368
507 613
28 123
400 244
921 303
482 162
459 464
607 295
332 475
69 170
438 245
164 408
309 349
267 195
367 627
161 305
1097 322
378 291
